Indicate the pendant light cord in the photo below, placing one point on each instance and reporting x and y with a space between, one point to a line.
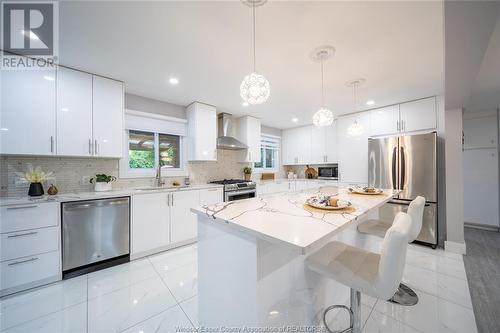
322 85
254 57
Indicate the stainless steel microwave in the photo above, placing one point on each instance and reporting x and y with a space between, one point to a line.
331 172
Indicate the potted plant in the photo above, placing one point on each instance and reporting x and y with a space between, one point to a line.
35 176
102 182
247 171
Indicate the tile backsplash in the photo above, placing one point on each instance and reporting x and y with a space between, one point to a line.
68 172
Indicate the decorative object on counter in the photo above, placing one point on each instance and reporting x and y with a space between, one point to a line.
310 172
247 172
369 190
267 176
355 129
35 176
187 181
52 190
176 183
102 182
323 117
327 202
254 88
290 174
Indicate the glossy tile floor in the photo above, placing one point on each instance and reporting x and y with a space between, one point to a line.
158 294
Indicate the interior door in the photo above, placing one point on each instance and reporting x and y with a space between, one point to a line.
383 162
417 166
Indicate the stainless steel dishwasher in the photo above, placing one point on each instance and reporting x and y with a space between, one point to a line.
95 234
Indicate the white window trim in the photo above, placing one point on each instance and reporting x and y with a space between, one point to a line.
126 172
277 164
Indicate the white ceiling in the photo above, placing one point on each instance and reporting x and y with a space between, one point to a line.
396 46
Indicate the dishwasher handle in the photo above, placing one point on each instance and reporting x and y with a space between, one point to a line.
95 203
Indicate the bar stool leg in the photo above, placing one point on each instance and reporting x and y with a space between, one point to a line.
356 310
404 296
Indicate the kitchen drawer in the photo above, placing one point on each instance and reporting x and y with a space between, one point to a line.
29 242
29 216
29 269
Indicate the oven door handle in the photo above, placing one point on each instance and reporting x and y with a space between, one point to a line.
233 193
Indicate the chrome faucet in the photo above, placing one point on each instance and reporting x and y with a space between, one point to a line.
159 182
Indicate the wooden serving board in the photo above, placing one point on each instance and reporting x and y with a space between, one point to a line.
347 210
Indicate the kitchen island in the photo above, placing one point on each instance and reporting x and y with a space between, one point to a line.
251 256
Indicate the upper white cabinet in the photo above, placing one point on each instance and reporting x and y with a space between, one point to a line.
107 102
402 118
331 143
74 113
418 115
353 150
309 145
318 145
248 132
27 112
202 132
385 121
289 141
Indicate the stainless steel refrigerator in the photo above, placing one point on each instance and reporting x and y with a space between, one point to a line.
407 163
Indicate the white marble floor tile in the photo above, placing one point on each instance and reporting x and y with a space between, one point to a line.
439 263
190 307
72 319
380 323
168 321
121 309
173 259
117 277
431 314
182 282
39 302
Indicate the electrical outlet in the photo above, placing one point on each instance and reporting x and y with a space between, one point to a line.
85 180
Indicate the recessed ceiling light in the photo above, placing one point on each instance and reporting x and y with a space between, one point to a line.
244 103
295 120
173 80
49 78
370 102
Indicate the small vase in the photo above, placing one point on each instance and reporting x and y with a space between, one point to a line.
102 187
248 176
36 190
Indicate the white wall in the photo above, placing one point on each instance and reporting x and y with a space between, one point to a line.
454 180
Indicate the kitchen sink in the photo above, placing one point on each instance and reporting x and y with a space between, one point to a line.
156 188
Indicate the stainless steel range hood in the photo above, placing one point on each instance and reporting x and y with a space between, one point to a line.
225 139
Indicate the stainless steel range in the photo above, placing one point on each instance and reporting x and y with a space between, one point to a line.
237 189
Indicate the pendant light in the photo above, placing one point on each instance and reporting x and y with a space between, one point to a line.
254 88
355 129
322 117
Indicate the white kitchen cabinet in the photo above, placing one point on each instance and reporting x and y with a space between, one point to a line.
318 145
29 247
183 223
74 113
353 151
297 146
202 132
289 147
277 186
107 106
385 121
211 196
418 115
150 223
248 132
301 185
331 143
27 112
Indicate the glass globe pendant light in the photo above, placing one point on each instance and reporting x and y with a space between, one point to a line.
355 129
323 117
254 88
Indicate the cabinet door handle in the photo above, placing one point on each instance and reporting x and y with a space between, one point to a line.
168 199
172 199
51 144
404 125
22 207
397 125
25 234
95 147
22 261
90 146
213 190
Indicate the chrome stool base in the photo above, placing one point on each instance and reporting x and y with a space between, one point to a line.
332 307
354 314
404 296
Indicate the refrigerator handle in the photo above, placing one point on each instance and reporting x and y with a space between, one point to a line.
394 165
403 168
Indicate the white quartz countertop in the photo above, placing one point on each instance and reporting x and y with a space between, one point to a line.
281 218
66 197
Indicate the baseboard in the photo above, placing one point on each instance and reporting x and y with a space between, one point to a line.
138 255
455 247
481 226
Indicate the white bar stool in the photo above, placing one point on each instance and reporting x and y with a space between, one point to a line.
377 275
404 295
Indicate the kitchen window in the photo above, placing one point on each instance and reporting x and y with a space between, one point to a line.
149 141
269 154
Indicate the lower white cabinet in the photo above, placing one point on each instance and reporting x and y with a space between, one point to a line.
150 222
164 220
30 253
183 223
